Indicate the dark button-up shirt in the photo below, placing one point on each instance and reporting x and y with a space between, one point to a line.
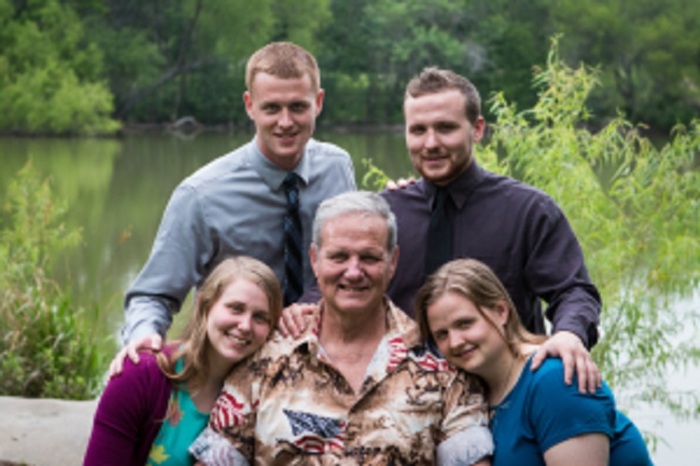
513 228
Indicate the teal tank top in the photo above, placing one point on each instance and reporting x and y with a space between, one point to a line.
181 426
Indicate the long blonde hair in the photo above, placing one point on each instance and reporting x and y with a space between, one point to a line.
476 282
194 342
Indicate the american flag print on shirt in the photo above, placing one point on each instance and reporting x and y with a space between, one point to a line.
314 433
228 411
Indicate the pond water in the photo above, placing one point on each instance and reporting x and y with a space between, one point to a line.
116 190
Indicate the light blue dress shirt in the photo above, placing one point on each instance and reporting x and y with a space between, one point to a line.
234 205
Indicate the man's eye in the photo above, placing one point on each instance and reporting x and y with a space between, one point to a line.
446 128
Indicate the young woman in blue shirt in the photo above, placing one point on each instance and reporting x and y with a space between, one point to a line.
536 418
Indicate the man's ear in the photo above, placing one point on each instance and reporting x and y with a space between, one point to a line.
393 261
479 129
248 101
313 255
319 101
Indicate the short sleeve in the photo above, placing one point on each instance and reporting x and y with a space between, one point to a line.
559 412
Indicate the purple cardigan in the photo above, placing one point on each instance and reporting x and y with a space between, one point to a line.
129 415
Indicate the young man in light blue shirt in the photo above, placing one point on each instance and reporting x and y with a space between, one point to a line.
236 204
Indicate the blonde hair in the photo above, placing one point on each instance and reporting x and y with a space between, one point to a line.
194 340
283 60
476 282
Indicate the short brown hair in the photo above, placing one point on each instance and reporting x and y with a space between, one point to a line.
476 282
433 80
283 60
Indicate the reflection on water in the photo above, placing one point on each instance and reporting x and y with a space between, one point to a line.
117 190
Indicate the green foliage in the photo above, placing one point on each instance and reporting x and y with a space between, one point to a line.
46 348
374 177
49 77
636 209
648 53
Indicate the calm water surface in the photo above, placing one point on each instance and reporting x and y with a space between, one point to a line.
116 191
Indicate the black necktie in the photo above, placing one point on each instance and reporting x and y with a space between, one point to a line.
293 269
439 241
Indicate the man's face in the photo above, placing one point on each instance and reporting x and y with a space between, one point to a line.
353 266
439 137
284 112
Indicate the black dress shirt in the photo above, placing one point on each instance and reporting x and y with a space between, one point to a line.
516 230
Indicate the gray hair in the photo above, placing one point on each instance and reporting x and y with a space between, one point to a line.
362 202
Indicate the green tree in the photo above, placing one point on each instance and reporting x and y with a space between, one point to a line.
49 75
170 59
648 52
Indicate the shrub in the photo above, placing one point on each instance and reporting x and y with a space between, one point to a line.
46 348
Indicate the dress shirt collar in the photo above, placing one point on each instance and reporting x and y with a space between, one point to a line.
398 325
274 175
460 188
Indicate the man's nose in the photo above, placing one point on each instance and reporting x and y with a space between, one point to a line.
431 141
285 118
354 267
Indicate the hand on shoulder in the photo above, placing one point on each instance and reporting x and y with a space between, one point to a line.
575 357
151 342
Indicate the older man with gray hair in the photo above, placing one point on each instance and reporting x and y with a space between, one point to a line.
359 386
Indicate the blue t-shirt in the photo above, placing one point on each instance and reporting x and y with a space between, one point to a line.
542 411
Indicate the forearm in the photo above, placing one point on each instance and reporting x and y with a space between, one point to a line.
577 311
147 315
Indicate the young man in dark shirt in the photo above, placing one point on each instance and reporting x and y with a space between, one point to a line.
514 228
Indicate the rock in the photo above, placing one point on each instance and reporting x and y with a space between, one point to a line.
43 432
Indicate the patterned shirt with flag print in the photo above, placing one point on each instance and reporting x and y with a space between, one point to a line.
289 405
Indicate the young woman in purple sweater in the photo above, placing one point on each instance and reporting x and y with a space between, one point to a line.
153 410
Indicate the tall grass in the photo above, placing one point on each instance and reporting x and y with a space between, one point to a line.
47 349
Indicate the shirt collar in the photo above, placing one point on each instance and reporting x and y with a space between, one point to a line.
460 188
398 325
273 175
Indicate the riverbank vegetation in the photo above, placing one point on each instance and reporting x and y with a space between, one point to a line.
85 67
47 349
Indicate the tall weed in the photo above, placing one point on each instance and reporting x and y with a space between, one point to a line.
46 347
